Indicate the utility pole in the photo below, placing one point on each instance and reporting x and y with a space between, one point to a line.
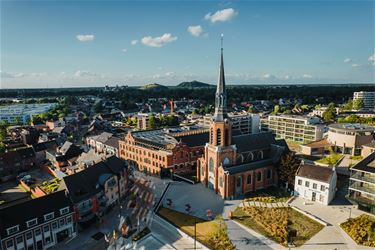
195 232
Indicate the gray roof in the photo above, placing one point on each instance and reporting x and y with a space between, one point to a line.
103 137
248 166
251 142
367 164
315 172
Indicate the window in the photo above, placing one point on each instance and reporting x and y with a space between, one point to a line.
62 222
46 228
69 219
54 225
19 239
221 181
49 216
299 182
259 176
239 181
269 174
202 170
9 243
315 186
64 210
211 165
248 179
28 235
37 231
218 134
307 184
32 222
13 230
322 188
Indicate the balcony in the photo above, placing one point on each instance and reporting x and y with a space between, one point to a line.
354 196
367 178
358 188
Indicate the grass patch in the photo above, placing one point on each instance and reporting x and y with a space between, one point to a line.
274 223
293 145
210 233
268 195
356 157
361 229
331 159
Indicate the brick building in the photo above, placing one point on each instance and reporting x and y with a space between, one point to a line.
236 164
163 151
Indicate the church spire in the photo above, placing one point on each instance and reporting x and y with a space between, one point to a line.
221 94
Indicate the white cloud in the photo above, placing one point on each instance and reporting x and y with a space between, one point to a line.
195 30
221 15
124 50
85 38
169 73
306 76
372 58
134 42
355 65
347 60
84 73
267 76
158 41
21 75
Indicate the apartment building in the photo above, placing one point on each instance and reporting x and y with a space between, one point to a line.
23 112
163 151
348 138
367 97
362 184
37 223
242 122
293 127
97 188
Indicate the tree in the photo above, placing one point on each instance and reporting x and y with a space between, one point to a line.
276 109
358 104
151 121
348 105
98 107
2 148
287 168
3 130
329 114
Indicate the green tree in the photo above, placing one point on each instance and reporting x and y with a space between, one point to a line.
3 130
2 148
358 104
329 114
151 121
98 107
276 109
287 168
348 105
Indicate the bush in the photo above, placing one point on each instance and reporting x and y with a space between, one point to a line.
361 230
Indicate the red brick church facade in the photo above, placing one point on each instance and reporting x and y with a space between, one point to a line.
233 165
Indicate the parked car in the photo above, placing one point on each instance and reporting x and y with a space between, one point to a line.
21 175
26 177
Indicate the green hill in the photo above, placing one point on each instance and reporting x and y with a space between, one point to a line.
194 84
154 87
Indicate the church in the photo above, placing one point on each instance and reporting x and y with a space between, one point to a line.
235 164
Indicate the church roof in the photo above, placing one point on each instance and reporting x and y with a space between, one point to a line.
249 166
251 142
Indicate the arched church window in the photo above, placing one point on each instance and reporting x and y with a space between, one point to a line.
218 134
226 161
211 165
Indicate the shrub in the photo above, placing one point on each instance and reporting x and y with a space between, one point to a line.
361 230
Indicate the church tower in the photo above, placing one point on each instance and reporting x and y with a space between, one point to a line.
221 128
219 151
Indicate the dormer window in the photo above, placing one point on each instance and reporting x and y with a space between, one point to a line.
64 210
32 222
12 230
49 216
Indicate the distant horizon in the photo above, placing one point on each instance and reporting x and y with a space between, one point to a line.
212 84
86 43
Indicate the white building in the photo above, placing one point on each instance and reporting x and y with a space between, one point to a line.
315 183
294 127
367 97
23 112
242 123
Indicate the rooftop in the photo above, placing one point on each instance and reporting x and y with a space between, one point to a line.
367 164
315 172
352 126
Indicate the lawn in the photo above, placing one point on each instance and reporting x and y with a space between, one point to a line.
211 233
361 229
269 195
331 159
274 223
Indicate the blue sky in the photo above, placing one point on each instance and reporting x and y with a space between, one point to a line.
92 43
